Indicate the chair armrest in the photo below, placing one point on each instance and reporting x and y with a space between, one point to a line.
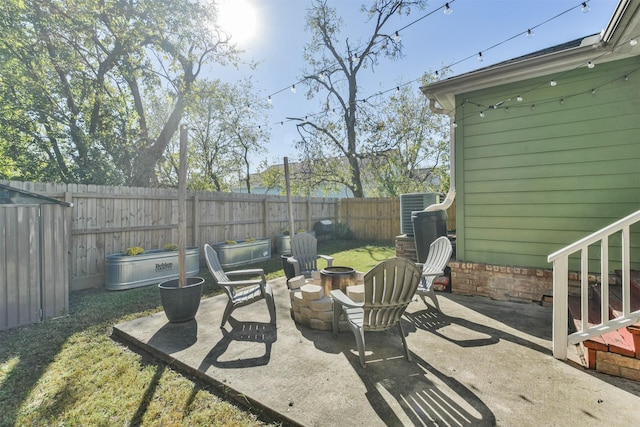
296 265
247 282
342 299
433 273
248 272
327 258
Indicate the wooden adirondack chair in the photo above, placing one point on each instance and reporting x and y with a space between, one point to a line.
389 287
439 255
304 254
240 292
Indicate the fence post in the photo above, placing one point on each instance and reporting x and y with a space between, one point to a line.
196 220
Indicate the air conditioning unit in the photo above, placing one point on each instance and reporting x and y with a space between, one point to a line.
414 202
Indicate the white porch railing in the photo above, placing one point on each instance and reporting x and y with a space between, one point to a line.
560 259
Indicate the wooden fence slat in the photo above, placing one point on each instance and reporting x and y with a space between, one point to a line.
106 220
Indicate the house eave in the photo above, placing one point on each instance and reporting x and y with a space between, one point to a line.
443 93
611 44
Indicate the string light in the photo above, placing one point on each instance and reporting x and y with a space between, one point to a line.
633 42
269 100
554 83
447 10
590 64
519 98
481 113
397 37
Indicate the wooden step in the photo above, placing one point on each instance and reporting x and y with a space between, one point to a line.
618 342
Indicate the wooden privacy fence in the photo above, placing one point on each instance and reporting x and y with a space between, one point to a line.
107 220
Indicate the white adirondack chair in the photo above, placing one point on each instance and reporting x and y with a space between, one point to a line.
439 255
304 254
240 292
389 287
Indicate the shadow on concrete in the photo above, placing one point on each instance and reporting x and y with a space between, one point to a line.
418 394
174 337
433 321
222 355
517 315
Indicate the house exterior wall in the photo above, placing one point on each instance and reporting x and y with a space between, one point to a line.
536 175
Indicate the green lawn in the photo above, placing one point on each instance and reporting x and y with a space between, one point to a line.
68 371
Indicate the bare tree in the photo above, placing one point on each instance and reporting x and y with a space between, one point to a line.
330 140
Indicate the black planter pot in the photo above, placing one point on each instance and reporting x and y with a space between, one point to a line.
289 269
181 304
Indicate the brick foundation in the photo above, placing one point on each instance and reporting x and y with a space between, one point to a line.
499 282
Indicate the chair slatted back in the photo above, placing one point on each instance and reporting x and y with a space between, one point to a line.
388 288
304 248
438 257
218 274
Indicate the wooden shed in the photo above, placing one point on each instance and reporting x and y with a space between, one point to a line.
34 258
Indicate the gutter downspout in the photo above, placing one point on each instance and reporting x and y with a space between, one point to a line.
451 195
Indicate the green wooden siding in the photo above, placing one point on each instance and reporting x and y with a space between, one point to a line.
536 175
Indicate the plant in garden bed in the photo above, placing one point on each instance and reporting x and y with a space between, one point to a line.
134 250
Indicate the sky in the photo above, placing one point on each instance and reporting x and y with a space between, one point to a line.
273 34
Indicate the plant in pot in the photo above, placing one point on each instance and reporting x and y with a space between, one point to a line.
181 297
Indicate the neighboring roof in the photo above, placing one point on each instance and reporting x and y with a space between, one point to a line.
15 196
624 25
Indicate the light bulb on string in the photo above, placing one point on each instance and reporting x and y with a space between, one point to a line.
281 124
396 37
590 64
480 57
633 42
447 9
269 100
530 33
293 89
519 98
585 8
481 113
554 83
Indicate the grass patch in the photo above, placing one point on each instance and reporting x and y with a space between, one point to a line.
69 372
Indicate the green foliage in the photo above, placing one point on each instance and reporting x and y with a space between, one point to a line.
230 242
170 247
134 250
79 79
223 134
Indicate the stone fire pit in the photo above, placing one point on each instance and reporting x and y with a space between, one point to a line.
311 303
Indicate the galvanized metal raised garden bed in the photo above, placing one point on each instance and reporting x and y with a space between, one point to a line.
243 252
153 266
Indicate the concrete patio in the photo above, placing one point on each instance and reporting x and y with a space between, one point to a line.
479 362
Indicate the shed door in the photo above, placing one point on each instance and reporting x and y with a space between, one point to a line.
20 294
